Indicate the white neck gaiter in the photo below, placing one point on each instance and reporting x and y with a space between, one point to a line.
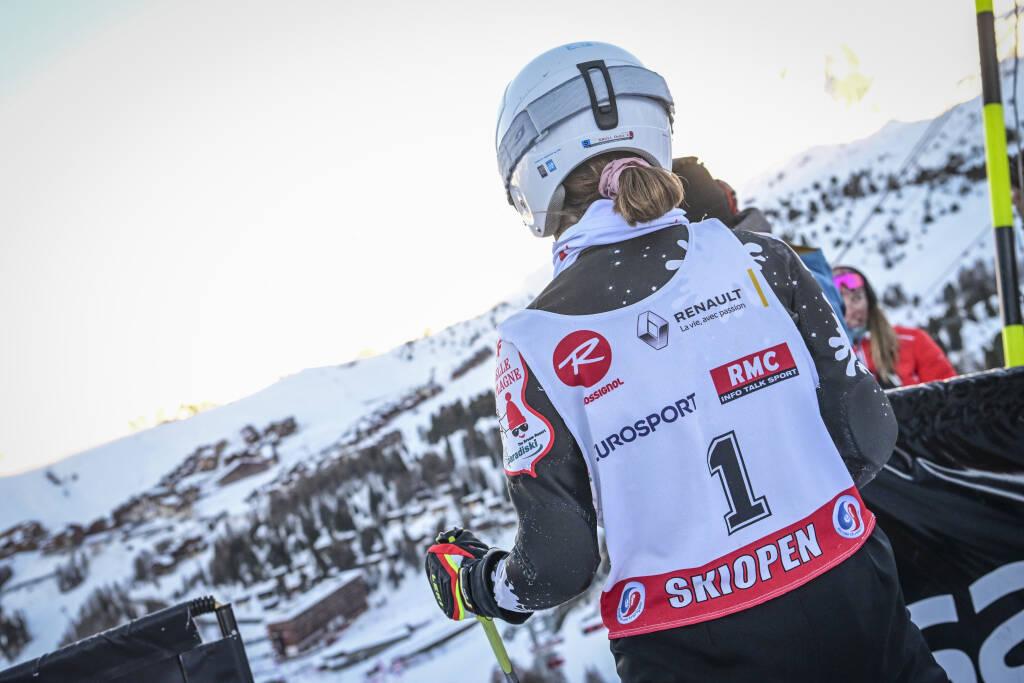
602 225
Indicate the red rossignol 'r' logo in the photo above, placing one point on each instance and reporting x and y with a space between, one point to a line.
582 358
754 372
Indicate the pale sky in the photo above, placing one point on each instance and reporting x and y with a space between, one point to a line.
202 197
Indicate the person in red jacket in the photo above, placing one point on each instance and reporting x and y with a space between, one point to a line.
896 355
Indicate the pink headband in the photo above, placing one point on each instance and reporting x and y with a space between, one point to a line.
608 186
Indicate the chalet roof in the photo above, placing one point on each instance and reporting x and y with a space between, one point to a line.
313 596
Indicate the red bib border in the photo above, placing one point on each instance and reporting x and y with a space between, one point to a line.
759 571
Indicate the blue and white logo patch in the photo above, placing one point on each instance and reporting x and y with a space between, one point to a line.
847 517
631 603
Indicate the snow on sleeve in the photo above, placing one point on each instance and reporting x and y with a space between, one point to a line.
504 595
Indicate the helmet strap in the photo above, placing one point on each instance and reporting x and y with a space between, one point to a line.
553 217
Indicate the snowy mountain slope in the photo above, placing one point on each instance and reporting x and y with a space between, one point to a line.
324 401
336 409
947 207
385 450
909 206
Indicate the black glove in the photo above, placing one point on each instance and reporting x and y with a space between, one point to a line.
459 566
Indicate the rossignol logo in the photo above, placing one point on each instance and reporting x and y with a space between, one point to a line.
847 517
603 391
631 603
754 372
582 358
652 329
645 426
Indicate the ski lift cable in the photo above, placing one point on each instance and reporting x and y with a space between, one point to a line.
929 133
957 259
915 151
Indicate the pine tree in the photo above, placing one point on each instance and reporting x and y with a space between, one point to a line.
394 576
14 634
143 566
405 487
72 573
434 468
105 608
368 538
343 517
311 532
341 555
410 552
326 515
376 498
235 560
277 550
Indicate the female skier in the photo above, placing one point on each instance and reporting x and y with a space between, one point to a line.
689 389
896 355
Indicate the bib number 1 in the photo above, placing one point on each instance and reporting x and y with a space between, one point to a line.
726 461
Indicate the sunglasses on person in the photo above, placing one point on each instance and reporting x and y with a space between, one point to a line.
850 281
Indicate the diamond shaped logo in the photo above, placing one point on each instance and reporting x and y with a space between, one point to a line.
652 329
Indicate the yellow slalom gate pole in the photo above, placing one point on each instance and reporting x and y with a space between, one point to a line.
997 167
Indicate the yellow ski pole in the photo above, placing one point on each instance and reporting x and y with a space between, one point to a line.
998 170
504 663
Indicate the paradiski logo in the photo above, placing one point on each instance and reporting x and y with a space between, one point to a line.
847 518
631 604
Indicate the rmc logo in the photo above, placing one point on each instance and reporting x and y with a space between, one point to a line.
754 372
582 358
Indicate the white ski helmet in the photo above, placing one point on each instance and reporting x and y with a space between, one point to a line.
567 105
